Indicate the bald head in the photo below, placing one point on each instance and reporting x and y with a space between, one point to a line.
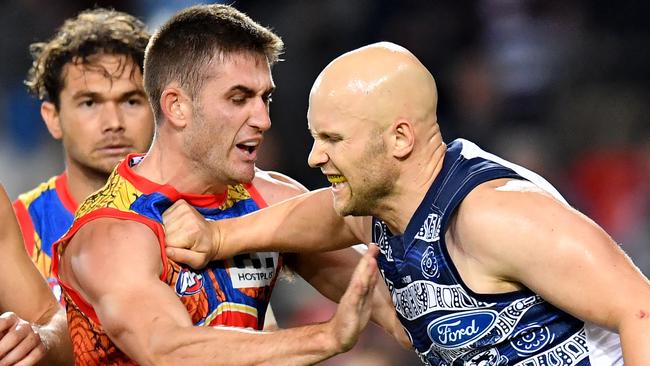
378 83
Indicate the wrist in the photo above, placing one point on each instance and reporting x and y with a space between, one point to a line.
328 337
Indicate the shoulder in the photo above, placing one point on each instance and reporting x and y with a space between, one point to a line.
276 187
105 242
30 196
505 220
506 198
112 246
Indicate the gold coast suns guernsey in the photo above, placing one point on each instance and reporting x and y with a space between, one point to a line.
45 213
233 292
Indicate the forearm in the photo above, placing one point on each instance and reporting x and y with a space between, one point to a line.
305 223
384 315
635 339
231 346
54 335
330 274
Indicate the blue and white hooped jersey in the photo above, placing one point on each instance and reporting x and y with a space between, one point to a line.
448 323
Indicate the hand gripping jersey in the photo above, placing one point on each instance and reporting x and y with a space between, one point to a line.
448 323
232 292
45 213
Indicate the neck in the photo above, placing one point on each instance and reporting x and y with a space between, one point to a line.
83 182
417 175
169 166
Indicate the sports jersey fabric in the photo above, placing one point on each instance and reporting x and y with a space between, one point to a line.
45 213
233 292
449 323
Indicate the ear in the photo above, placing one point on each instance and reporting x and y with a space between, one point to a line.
403 138
50 116
176 106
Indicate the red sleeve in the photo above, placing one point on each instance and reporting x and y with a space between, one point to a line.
77 224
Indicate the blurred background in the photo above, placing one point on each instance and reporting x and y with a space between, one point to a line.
559 86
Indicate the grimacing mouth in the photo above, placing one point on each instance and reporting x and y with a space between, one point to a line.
334 179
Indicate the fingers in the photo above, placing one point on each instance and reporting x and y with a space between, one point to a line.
188 237
180 255
355 306
21 343
33 357
174 208
174 223
364 277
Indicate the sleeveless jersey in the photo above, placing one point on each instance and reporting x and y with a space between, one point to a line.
233 292
448 323
45 213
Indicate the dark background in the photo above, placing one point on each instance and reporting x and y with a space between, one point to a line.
561 87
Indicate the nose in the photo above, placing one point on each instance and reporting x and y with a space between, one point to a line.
317 156
112 118
260 118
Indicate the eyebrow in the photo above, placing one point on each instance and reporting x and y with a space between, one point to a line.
97 96
325 135
248 91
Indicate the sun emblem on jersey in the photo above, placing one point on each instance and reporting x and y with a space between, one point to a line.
188 282
430 230
429 263
531 339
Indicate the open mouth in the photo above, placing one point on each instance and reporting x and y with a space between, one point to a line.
248 147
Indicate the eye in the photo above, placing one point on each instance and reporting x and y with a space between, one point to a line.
87 103
267 99
330 139
133 102
238 100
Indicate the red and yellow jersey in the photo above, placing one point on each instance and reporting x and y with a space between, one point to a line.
233 292
45 213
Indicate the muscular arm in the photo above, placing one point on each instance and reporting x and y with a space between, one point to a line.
560 254
330 273
304 223
23 292
147 321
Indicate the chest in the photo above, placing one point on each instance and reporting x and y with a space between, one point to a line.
232 292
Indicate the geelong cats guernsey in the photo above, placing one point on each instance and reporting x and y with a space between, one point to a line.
233 292
448 323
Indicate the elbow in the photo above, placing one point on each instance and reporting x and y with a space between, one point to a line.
163 350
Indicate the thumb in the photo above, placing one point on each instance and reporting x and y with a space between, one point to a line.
192 259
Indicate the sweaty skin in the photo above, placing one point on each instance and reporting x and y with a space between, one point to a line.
503 235
403 96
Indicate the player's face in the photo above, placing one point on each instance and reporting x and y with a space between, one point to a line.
351 152
103 113
230 116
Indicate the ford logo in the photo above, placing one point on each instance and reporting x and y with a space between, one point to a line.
459 329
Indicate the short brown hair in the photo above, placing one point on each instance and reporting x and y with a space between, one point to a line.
92 32
183 47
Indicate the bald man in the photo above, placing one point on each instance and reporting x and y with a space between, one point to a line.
486 262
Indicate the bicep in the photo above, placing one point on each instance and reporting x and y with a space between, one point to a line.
115 266
589 276
559 254
328 272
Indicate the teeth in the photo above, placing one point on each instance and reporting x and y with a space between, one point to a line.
335 179
250 143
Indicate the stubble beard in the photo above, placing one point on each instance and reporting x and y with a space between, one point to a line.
377 184
210 162
364 201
